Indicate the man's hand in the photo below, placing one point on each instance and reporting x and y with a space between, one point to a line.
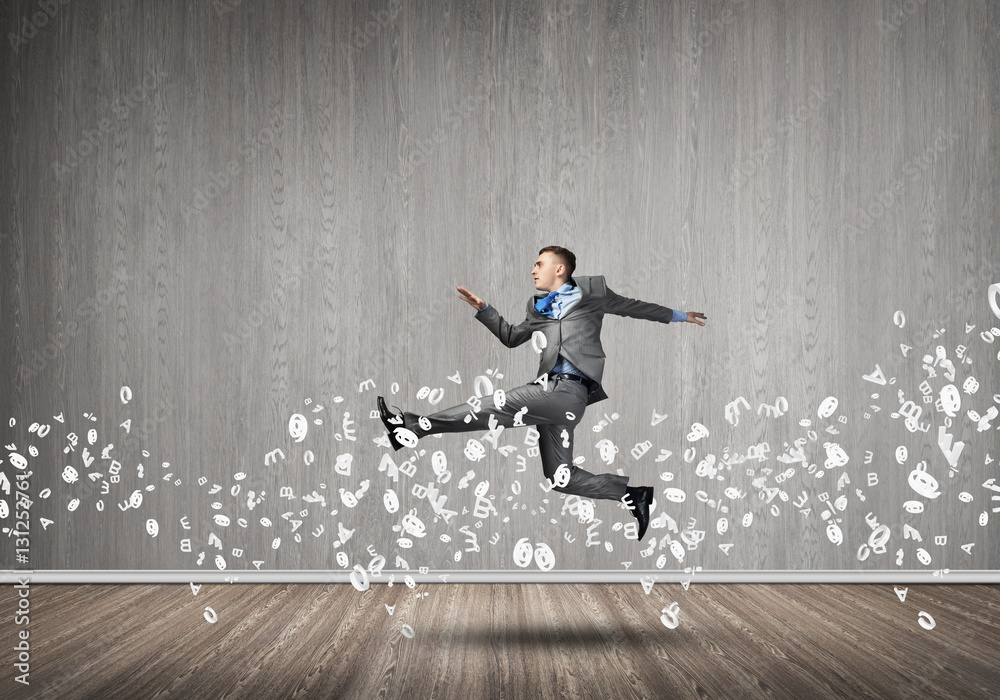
693 317
473 300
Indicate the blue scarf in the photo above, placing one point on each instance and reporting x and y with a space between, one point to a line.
543 305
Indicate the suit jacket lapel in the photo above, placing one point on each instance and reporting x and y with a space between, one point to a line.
534 300
584 293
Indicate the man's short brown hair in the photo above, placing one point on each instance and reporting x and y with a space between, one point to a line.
566 257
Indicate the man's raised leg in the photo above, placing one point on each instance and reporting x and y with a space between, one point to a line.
541 405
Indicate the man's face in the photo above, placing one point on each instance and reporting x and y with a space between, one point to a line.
546 271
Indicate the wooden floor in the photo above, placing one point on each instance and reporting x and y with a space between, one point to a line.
505 641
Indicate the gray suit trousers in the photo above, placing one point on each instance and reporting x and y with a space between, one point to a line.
547 410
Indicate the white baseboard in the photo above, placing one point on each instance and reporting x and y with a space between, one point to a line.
81 576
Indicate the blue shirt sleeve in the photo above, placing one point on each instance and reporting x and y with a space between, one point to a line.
679 316
484 308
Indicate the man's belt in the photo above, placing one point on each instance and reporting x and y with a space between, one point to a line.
589 383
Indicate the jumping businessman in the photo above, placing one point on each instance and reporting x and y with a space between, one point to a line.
569 313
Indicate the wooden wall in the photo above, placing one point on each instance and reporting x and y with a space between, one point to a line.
243 210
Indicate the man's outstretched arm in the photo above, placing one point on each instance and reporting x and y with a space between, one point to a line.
509 335
634 308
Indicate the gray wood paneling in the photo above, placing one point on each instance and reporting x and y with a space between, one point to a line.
234 207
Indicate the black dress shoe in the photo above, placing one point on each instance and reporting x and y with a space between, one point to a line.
642 499
391 422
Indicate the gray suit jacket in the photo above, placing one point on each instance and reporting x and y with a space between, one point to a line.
577 335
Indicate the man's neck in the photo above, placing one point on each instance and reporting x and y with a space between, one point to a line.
557 287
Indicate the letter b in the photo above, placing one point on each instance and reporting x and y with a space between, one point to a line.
28 30
221 178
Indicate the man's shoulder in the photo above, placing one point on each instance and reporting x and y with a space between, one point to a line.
591 284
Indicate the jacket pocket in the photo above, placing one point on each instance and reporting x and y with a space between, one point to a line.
592 349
